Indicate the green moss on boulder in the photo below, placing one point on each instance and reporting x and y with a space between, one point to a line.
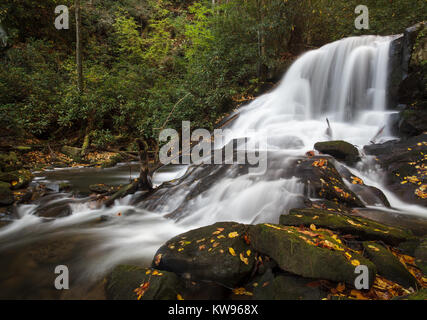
124 279
305 254
285 287
363 228
388 265
340 150
205 254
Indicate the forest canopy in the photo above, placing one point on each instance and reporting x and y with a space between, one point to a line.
140 58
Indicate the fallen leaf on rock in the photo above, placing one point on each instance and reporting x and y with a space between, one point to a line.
355 262
142 289
373 248
179 297
233 235
232 252
242 291
243 259
157 259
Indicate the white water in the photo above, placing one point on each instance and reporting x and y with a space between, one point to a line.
344 81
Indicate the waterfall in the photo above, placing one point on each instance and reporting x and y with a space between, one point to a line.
344 81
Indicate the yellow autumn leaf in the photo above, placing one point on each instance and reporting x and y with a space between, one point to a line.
355 263
313 227
179 297
248 253
373 248
233 234
243 259
232 252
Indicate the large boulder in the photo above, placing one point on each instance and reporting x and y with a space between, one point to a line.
340 150
363 228
216 253
135 283
312 254
388 265
6 195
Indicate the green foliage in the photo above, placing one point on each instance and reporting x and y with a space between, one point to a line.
142 57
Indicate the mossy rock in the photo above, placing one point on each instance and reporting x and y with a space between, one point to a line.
216 253
323 180
284 286
18 179
340 150
421 255
6 195
124 279
306 253
9 162
388 265
363 228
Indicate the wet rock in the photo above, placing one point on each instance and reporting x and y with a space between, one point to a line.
53 206
388 265
6 195
370 195
217 253
318 254
421 255
404 162
56 211
363 228
322 180
285 287
340 150
124 279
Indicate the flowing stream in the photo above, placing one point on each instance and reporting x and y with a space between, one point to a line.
345 81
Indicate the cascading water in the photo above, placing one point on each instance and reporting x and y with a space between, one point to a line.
344 81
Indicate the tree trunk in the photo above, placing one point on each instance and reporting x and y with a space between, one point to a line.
79 48
144 173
